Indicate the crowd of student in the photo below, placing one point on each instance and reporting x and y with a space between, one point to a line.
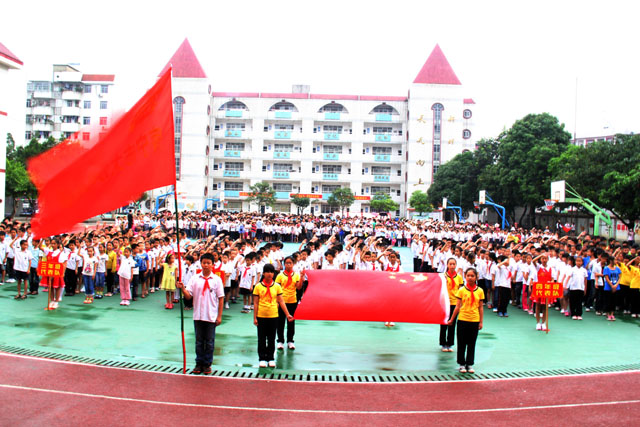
233 255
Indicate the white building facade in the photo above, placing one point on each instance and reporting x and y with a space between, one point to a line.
311 144
69 103
8 63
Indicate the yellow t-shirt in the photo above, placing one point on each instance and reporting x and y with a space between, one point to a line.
112 262
635 277
469 311
453 287
625 274
288 292
267 307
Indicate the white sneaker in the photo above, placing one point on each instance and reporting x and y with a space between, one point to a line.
538 326
263 364
10 280
392 324
226 305
272 364
280 346
462 369
55 304
292 346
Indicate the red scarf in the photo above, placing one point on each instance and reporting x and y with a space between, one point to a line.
206 284
268 286
289 278
450 280
472 290
394 269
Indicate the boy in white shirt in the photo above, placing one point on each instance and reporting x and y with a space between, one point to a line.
22 262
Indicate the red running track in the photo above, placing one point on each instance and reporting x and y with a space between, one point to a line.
47 392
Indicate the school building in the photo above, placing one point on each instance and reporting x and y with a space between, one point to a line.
310 144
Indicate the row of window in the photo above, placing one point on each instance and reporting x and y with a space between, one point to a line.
288 167
290 148
47 87
326 188
332 107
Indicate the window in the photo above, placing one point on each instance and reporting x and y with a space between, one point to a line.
437 133
330 188
283 148
435 169
69 103
28 103
86 136
87 88
332 149
103 121
282 187
384 190
103 105
233 186
467 114
382 151
27 135
237 126
235 146
466 134
86 120
283 106
384 109
332 129
87 105
331 169
177 128
380 170
333 108
104 89
234 166
282 167
233 105
377 130
283 127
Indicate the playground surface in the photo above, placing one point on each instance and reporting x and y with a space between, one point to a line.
339 372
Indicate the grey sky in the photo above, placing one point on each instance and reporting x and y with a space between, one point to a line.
513 57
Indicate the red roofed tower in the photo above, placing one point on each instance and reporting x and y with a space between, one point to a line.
437 70
185 63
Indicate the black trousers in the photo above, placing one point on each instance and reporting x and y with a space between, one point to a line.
503 299
10 272
635 300
282 320
266 337
34 280
70 282
134 285
110 280
575 302
447 332
600 306
467 337
517 289
622 298
609 301
591 293
416 265
205 341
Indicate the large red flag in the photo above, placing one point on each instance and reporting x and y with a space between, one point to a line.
78 180
375 296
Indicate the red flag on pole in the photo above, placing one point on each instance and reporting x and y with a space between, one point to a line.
375 296
78 180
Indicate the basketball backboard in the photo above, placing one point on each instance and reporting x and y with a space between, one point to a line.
558 191
444 202
482 197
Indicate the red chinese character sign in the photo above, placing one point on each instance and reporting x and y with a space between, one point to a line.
545 293
50 269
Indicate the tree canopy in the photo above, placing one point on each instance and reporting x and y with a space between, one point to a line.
262 194
341 198
382 202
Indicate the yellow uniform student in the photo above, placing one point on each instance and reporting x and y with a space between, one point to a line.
267 296
634 291
454 281
469 310
290 283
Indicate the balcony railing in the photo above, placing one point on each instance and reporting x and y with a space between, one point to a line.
381 178
232 153
382 157
331 156
281 175
232 173
330 176
282 154
331 136
233 133
233 113
383 137
282 134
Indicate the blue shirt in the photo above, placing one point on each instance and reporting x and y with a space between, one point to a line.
37 253
585 262
614 276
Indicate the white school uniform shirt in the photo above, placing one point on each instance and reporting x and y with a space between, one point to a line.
533 273
577 278
596 268
72 259
126 267
365 266
205 302
502 277
326 265
228 269
22 260
247 276
395 268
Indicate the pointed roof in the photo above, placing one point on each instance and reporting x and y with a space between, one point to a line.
6 53
437 70
185 63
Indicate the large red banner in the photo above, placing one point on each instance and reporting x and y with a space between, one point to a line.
374 296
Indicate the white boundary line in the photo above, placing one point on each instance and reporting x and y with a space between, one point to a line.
319 411
356 383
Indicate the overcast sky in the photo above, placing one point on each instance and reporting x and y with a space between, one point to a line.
513 58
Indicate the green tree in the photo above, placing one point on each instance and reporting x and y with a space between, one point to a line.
608 173
457 180
262 194
420 202
520 176
341 198
382 202
301 202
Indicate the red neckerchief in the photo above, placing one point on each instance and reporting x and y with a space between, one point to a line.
289 278
268 286
450 279
394 269
206 284
473 299
246 270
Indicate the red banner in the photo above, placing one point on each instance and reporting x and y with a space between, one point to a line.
547 290
50 269
374 296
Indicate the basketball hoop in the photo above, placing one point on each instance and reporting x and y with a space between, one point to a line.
549 204
476 205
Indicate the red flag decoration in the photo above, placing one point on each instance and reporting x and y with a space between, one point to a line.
375 296
78 180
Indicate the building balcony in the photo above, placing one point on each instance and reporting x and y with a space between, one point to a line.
233 133
42 126
381 178
282 154
232 173
282 134
231 194
383 137
331 156
283 115
69 127
232 114
42 111
383 118
332 136
233 153
71 95
281 175
332 117
42 95
383 158
282 195
70 111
